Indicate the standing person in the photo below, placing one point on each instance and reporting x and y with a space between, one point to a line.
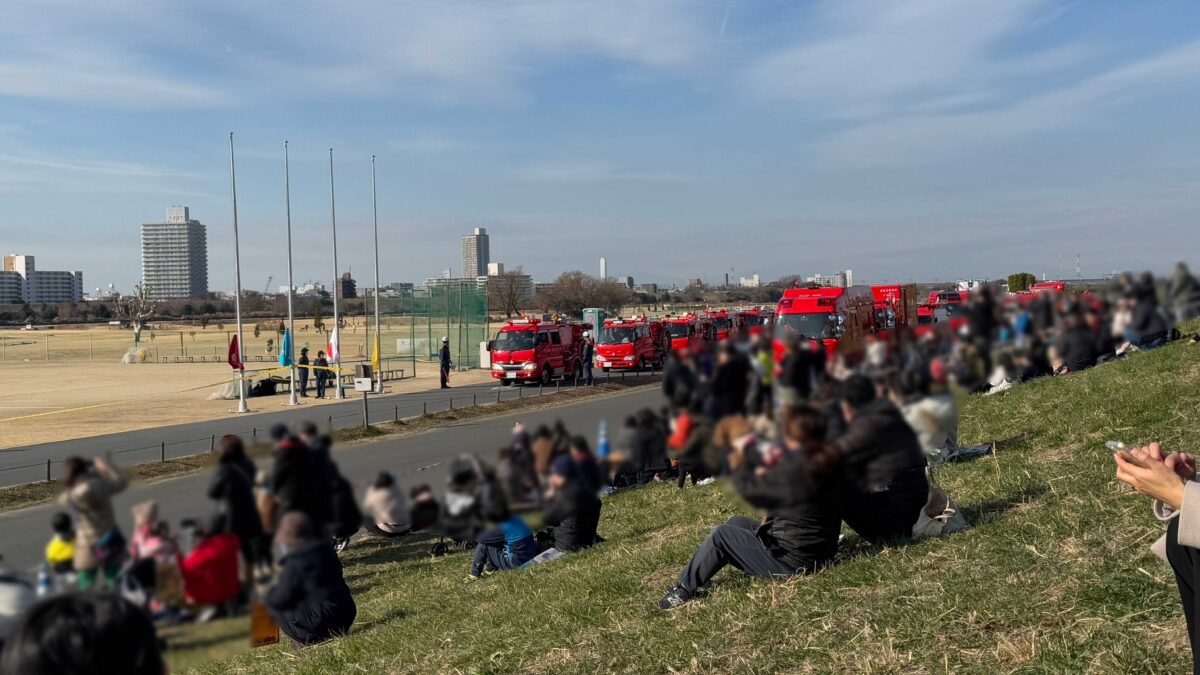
1184 293
302 363
322 373
310 600
444 363
292 482
99 544
730 384
232 487
589 349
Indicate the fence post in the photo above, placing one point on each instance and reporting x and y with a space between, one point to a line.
212 443
452 403
424 408
47 471
539 388
254 434
497 395
474 400
162 452
331 424
557 386
397 414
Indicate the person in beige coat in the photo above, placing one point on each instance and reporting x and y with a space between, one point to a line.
99 544
1170 479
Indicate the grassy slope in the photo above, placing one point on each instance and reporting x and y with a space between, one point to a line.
1055 575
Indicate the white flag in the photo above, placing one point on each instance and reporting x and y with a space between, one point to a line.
334 351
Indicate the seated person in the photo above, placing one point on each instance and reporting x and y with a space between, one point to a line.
60 550
587 469
310 600
798 489
880 466
210 570
385 508
572 515
83 633
506 546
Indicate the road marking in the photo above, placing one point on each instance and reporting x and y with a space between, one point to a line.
57 412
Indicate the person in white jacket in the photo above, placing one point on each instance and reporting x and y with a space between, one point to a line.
934 418
1170 479
385 508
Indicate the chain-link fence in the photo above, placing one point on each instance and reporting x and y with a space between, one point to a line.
454 309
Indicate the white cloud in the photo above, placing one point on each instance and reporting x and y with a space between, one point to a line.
577 171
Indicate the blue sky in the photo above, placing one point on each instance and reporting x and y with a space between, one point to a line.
931 139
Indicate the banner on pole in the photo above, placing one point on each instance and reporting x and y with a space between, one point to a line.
235 355
375 355
334 352
285 353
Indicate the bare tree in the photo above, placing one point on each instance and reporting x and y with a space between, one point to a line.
137 309
505 293
574 291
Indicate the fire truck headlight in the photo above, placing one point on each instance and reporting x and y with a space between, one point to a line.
529 366
497 366
630 358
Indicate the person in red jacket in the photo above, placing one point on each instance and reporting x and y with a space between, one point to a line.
210 571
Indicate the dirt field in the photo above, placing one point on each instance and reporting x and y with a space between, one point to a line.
59 400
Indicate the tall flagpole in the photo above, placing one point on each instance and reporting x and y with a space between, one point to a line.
237 275
378 335
287 201
337 371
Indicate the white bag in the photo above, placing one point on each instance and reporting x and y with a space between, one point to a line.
940 516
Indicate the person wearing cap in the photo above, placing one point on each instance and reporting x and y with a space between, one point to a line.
322 374
444 362
302 364
572 515
589 350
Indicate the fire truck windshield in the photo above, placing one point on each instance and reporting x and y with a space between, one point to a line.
679 330
616 336
753 320
513 340
721 323
806 325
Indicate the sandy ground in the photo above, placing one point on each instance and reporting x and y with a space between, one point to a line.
54 401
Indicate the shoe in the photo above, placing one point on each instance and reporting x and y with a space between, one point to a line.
674 598
707 481
470 578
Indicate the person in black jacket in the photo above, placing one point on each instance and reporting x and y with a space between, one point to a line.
730 385
302 371
881 466
679 381
292 480
232 485
572 515
1148 325
310 600
648 447
795 485
1078 345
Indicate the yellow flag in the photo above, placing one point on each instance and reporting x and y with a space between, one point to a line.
375 355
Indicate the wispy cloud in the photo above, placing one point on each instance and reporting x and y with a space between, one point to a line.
595 172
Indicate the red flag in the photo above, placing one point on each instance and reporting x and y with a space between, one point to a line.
235 357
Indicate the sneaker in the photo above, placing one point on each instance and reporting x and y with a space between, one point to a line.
674 598
707 481
470 578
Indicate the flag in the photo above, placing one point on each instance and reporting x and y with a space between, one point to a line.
285 353
333 353
235 355
375 355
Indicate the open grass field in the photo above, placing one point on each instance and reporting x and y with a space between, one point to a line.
1055 575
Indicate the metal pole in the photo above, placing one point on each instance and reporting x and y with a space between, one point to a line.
287 205
378 339
47 471
212 443
162 452
366 422
237 275
337 372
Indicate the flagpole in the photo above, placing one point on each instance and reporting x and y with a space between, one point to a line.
337 371
287 201
378 336
237 275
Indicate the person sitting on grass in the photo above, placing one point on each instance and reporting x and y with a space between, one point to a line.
506 546
82 634
795 484
572 515
385 508
60 550
310 600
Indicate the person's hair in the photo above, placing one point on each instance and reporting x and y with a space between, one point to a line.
910 383
232 447
806 426
279 432
646 418
74 467
543 431
857 391
630 421
61 523
384 480
83 634
308 428
580 443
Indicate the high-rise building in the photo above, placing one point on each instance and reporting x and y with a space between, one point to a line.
626 281
843 279
347 287
43 286
603 268
475 254
175 256
495 269
751 281
12 287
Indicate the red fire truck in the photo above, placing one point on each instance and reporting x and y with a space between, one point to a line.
925 320
532 350
895 306
635 344
838 317
721 323
686 331
950 305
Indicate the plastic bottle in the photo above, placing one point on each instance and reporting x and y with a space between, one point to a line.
44 580
602 442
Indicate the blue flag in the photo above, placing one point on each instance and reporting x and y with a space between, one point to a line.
285 352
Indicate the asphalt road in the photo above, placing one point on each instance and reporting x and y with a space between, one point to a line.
415 459
28 463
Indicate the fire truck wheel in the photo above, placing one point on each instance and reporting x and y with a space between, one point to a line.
505 383
641 367
547 375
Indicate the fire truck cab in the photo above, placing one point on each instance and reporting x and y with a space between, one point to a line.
686 331
531 350
839 317
635 344
949 305
722 323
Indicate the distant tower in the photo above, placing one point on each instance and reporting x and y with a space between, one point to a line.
603 268
475 253
1078 269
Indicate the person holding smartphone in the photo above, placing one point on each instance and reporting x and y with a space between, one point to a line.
1170 479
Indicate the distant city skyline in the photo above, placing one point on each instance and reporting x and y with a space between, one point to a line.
918 140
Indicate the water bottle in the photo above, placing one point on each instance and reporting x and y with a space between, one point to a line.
44 581
602 443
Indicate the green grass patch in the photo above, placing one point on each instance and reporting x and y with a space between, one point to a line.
1055 575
